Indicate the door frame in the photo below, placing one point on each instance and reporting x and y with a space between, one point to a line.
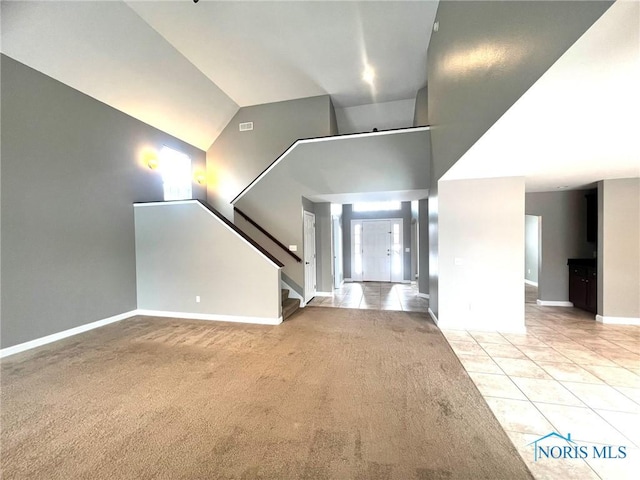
309 262
398 277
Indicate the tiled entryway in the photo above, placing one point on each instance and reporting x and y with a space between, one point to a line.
567 374
376 296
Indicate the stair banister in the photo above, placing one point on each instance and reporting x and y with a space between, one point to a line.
267 234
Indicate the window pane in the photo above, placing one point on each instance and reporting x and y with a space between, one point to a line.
176 174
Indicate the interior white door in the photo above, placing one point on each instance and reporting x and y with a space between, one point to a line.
309 256
376 251
337 253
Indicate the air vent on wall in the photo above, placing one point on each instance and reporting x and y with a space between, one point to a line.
246 126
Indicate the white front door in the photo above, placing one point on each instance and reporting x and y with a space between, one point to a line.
376 251
309 256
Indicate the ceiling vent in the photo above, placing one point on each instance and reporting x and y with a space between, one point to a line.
246 126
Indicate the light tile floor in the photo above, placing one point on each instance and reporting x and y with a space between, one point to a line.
567 374
376 296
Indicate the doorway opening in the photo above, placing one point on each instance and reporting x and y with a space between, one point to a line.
532 256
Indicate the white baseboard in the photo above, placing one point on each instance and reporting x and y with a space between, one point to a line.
554 303
433 316
532 283
423 295
54 337
212 317
618 320
324 294
38 342
347 280
519 329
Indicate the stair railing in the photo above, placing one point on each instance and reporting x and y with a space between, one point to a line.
246 237
267 234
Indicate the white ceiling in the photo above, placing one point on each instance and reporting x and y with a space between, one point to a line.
579 123
186 68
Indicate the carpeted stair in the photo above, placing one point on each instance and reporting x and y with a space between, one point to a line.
289 305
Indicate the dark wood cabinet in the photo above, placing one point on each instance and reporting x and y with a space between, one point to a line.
592 217
583 287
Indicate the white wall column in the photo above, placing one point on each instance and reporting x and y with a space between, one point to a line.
481 254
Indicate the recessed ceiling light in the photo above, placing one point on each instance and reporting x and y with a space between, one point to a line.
562 187
368 75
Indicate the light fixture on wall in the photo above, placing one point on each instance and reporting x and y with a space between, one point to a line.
200 178
151 160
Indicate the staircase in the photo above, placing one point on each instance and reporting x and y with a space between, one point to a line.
289 305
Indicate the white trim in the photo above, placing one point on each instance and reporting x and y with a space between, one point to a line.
618 320
54 337
320 140
554 303
423 295
324 294
473 326
404 281
169 202
212 317
521 329
530 282
196 202
347 280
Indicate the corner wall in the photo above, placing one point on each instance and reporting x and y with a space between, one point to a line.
481 254
71 171
619 250
485 55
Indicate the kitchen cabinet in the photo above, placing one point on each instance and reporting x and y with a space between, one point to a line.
583 284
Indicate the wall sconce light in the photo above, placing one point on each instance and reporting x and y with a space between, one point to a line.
151 159
200 178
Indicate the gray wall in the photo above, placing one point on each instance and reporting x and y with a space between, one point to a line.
421 113
236 157
383 116
423 240
183 251
348 214
619 248
464 99
531 248
564 236
71 172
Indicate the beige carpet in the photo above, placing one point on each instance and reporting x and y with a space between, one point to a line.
329 394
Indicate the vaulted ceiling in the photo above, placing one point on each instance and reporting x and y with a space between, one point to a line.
186 68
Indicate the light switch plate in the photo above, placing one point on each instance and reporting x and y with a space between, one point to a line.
293 248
